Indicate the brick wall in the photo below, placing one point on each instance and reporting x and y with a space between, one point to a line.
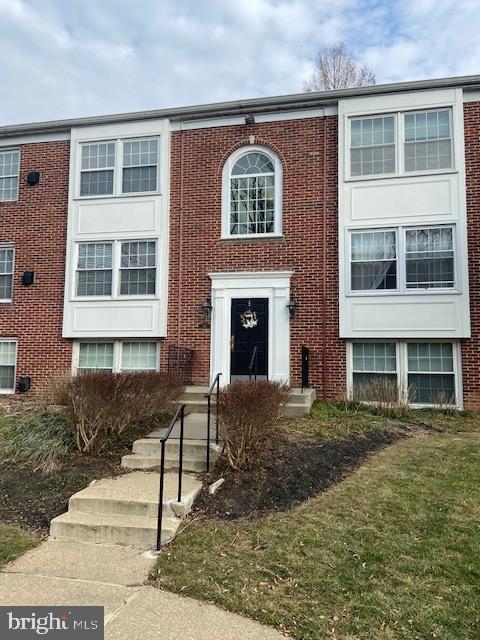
37 224
309 200
471 348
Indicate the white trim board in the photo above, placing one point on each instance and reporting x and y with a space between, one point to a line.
275 286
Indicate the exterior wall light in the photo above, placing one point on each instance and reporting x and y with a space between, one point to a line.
207 307
292 307
250 119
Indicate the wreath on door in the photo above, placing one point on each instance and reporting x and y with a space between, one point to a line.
248 318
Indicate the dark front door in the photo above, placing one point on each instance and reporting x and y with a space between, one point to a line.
244 340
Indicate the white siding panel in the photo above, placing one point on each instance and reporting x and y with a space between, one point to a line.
110 319
396 201
117 217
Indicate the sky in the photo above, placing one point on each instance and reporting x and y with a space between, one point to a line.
68 58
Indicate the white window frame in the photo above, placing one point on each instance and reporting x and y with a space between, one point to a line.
399 144
401 263
104 169
11 391
226 186
369 176
118 168
116 262
7 245
17 176
402 365
117 352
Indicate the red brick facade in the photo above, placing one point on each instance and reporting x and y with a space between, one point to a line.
308 152
471 348
37 225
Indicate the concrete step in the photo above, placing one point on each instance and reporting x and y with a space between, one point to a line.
136 494
139 531
191 448
149 461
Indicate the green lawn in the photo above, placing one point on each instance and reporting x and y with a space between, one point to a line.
14 542
392 552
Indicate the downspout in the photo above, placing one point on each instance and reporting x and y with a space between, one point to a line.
324 265
180 247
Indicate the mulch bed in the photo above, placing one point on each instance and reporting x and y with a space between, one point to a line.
30 499
293 471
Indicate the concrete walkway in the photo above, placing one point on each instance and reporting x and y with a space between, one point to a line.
113 576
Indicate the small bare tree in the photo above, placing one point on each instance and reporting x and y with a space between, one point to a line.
336 68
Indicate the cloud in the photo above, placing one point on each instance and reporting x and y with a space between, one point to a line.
81 57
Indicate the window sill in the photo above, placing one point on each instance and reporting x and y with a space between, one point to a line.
115 196
253 238
410 174
408 292
7 392
113 299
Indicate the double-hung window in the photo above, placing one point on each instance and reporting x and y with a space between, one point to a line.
373 260
429 257
97 169
117 268
6 273
138 268
431 374
119 167
372 361
94 269
402 259
372 150
401 143
9 170
428 143
8 362
117 356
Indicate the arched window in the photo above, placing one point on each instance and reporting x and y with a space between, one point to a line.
252 193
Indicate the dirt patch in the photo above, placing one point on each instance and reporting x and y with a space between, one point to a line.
30 499
295 470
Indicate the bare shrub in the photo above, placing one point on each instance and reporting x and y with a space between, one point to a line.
248 415
103 405
384 394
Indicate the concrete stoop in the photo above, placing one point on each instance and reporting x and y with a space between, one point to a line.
124 510
299 403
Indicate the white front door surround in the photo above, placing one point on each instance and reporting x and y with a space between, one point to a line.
274 285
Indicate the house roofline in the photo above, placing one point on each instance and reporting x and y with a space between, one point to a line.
241 107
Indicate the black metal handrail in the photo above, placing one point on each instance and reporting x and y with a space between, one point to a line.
253 364
180 413
305 368
214 386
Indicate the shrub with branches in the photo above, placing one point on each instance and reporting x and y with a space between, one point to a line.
248 414
385 395
102 405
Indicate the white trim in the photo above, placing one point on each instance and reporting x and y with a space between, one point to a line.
402 364
226 184
11 391
275 286
34 139
471 95
278 116
9 245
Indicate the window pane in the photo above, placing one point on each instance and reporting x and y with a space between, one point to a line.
427 141
139 356
8 356
253 163
252 205
432 389
8 189
95 256
96 183
374 357
431 357
94 283
138 254
9 169
98 155
94 356
6 271
140 153
427 125
430 258
373 260
139 179
137 282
